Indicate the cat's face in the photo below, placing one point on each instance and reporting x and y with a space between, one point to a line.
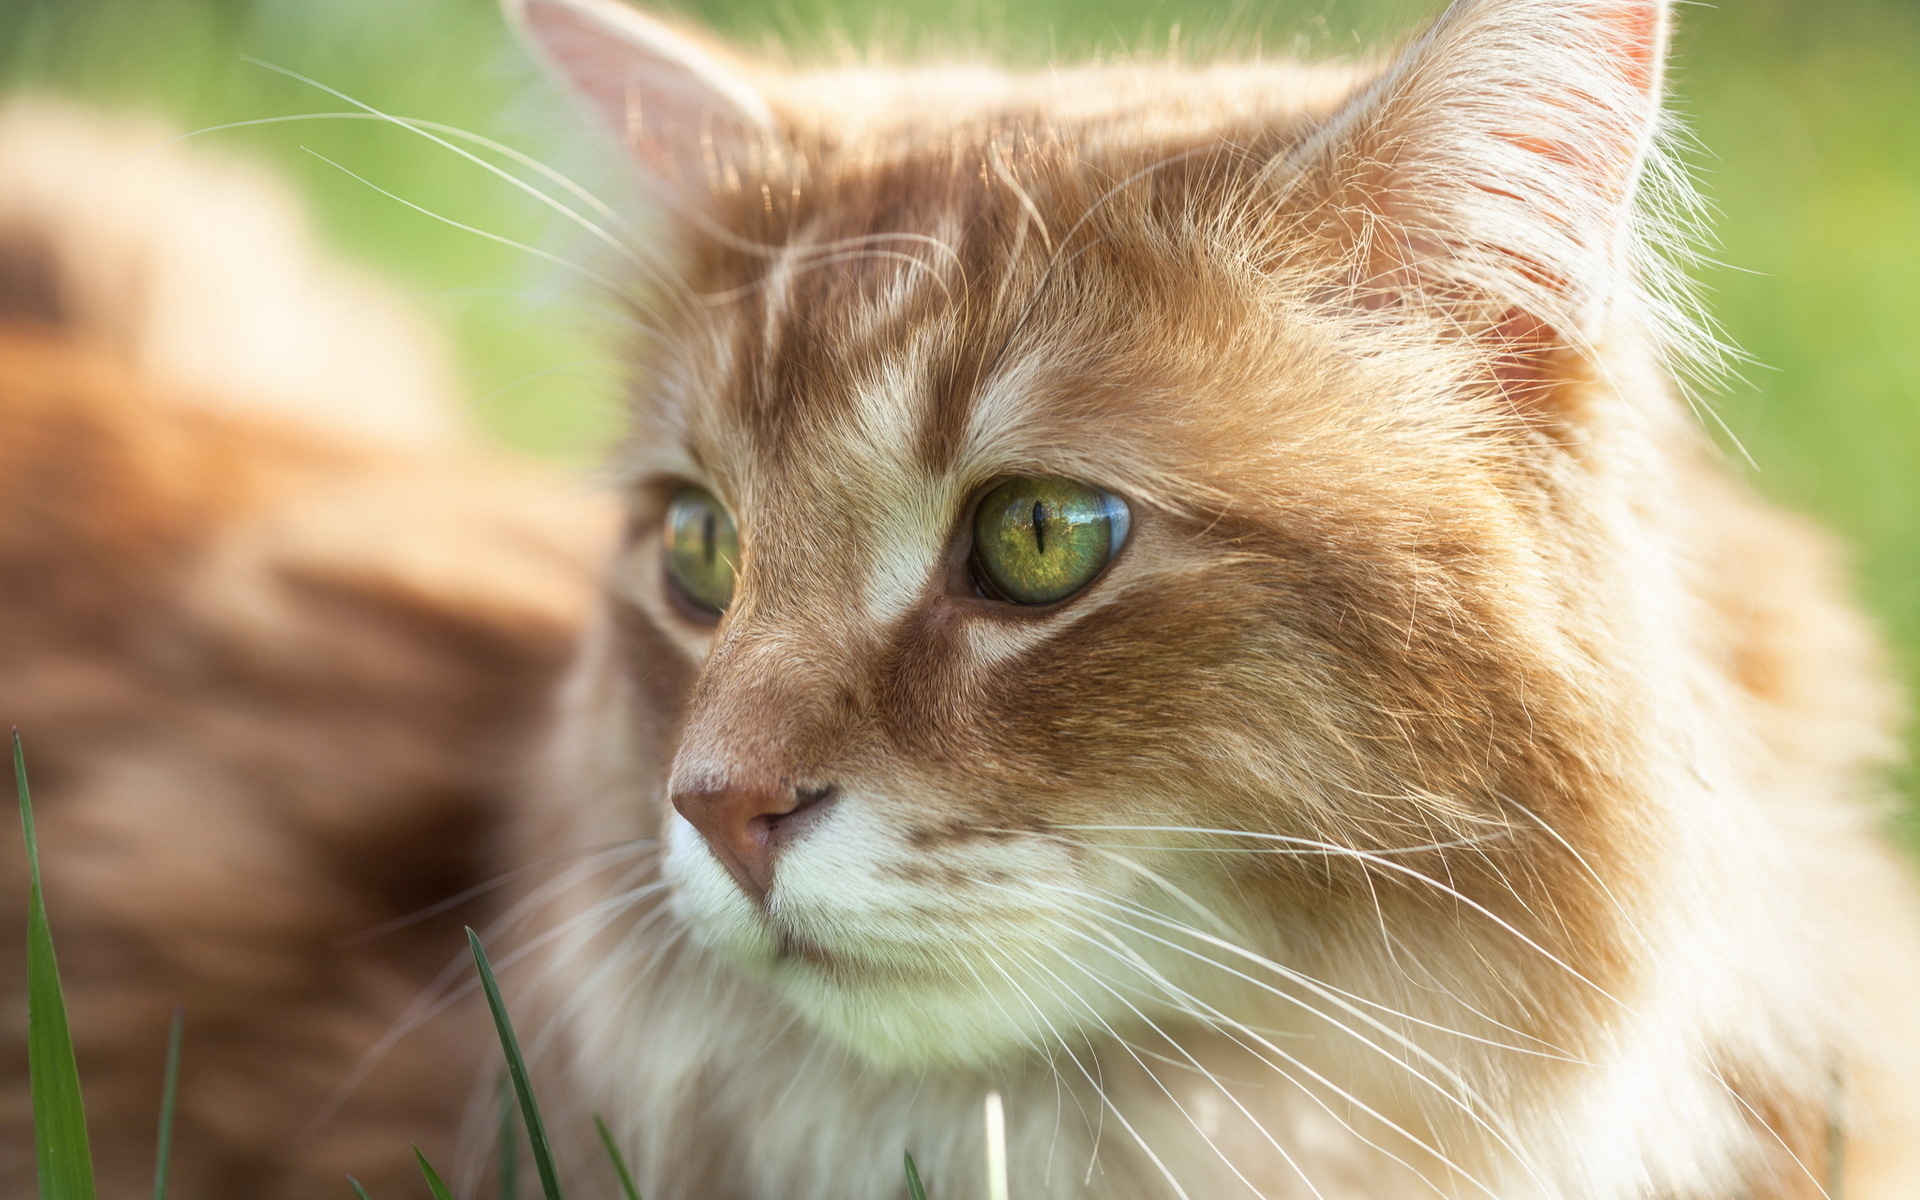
1064 557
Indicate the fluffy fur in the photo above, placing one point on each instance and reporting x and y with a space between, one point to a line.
1457 785
275 642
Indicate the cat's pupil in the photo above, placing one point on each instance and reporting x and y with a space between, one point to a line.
709 542
1039 527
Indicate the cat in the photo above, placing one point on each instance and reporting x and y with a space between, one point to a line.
1188 597
275 640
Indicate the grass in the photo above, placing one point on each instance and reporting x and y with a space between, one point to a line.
625 1176
435 1184
517 1071
169 1091
59 1117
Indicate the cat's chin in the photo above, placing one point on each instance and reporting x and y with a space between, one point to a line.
905 1023
907 1004
891 1007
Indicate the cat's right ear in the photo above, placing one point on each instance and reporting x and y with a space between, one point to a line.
1490 176
688 115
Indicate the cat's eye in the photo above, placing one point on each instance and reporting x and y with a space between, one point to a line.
1038 541
703 549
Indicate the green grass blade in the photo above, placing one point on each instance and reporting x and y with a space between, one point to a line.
915 1189
163 1142
358 1191
434 1182
619 1161
509 1144
517 1071
59 1118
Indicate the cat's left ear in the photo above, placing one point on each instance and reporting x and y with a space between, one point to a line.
689 115
1493 169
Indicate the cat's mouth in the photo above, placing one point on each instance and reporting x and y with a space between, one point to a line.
846 966
792 946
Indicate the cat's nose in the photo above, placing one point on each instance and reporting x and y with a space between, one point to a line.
746 824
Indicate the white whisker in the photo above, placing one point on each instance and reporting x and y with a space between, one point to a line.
616 244
548 256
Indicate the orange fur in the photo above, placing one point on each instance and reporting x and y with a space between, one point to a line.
1455 785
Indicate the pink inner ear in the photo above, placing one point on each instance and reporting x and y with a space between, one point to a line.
590 58
1635 33
1631 38
682 113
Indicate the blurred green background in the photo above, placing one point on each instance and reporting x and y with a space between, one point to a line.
1809 111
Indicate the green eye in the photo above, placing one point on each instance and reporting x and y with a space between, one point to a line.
703 548
1036 541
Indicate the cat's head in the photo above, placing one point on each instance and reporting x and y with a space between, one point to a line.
1121 542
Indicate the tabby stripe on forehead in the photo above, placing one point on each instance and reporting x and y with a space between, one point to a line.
902 545
976 328
943 421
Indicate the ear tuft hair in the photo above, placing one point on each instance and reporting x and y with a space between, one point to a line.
686 113
1497 167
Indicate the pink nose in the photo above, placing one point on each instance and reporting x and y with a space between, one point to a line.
746 825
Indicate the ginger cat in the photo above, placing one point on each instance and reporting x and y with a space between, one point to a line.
1187 596
1183 596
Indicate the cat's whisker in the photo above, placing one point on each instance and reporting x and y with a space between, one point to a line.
1619 907
590 862
1222 926
547 372
1105 939
651 268
620 247
1466 1100
1401 954
477 890
1264 1050
546 171
879 238
442 994
619 961
545 255
1335 995
637 857
1225 929
1760 1119
1386 863
1211 1078
791 245
1304 847
1100 1091
1346 1001
1095 1122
